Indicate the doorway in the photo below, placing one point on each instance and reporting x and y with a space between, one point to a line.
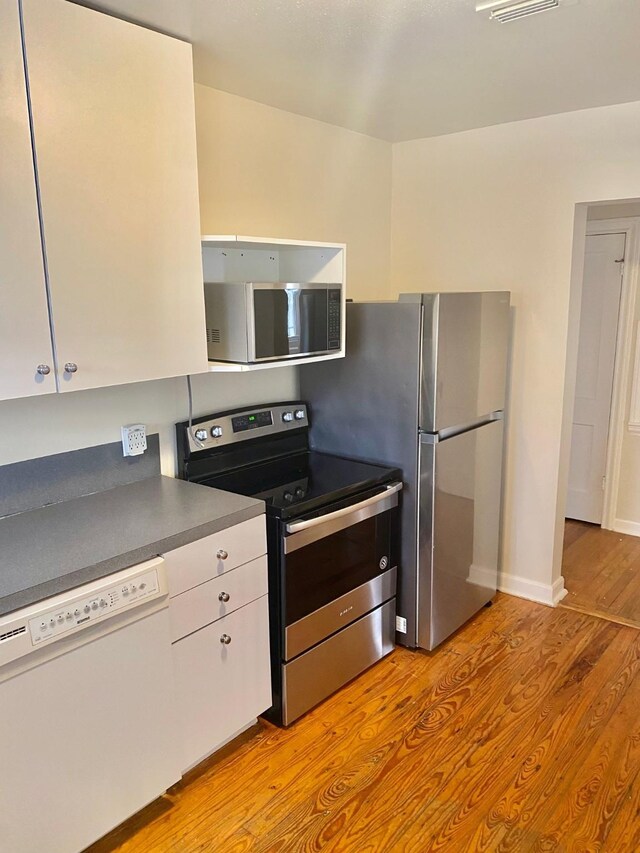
598 337
601 561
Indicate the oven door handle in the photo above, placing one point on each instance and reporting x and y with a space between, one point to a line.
298 526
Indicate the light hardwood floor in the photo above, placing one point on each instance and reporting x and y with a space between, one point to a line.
521 733
601 570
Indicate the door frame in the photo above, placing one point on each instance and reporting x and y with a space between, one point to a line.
629 226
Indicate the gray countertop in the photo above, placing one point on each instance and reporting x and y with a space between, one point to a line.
50 550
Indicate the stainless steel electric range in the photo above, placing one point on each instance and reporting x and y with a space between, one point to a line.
332 541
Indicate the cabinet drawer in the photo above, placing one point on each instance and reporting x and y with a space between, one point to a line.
205 603
205 559
222 687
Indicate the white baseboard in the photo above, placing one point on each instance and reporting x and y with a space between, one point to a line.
481 576
543 593
620 525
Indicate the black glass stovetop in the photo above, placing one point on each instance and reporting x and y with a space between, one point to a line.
302 482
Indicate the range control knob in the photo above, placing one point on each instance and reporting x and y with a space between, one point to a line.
103 602
287 417
61 618
288 497
201 434
216 431
299 492
94 605
87 609
299 414
69 616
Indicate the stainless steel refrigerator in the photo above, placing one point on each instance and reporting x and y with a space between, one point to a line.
422 387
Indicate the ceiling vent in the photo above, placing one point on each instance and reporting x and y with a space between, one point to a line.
506 10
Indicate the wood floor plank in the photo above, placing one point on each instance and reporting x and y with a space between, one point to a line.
601 570
549 770
518 734
466 786
466 715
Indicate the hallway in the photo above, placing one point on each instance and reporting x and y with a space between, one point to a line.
601 571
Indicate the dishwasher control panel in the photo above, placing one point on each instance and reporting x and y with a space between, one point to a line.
60 617
59 620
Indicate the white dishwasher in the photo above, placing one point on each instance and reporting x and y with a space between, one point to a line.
87 714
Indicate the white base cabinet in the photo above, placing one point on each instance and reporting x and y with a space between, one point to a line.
223 679
219 612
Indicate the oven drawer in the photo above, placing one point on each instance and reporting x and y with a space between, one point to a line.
214 555
316 674
338 613
216 598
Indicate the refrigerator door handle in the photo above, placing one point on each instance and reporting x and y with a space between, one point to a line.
451 432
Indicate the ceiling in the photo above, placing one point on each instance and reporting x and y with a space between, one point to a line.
404 69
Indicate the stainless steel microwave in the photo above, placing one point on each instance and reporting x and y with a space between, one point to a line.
250 322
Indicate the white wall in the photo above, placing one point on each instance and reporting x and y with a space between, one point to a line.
264 172
496 208
271 173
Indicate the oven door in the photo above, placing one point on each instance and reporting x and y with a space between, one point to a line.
337 567
293 320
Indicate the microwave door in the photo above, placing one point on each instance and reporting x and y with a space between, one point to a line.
313 321
269 328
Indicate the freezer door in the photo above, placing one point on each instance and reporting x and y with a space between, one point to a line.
459 528
465 350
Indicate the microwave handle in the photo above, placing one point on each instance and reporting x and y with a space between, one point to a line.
297 526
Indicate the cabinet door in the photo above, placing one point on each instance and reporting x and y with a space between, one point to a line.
25 341
222 687
114 130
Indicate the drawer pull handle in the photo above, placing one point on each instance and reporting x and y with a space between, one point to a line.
224 597
222 554
225 639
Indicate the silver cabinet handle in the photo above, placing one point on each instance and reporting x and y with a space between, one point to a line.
225 639
224 597
70 367
43 369
222 554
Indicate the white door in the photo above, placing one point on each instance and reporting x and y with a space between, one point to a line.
25 341
114 128
594 382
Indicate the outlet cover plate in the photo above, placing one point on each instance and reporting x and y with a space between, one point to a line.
134 439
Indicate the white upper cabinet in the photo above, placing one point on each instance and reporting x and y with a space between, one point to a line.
25 341
114 134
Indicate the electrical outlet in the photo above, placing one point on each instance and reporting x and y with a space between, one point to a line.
134 439
401 625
